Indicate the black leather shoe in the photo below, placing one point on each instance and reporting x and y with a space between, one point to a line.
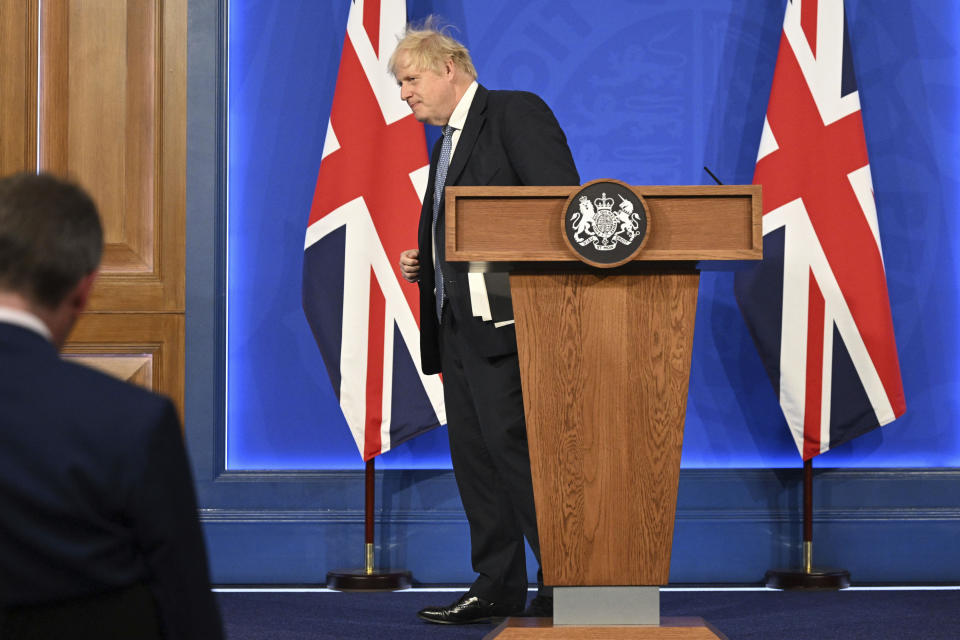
540 607
467 610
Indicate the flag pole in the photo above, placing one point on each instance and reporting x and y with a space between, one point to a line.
808 577
370 483
368 578
808 516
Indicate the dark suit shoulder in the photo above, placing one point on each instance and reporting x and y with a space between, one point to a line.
108 384
45 389
531 137
507 100
111 403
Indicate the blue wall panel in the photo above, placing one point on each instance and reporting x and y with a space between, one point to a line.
732 526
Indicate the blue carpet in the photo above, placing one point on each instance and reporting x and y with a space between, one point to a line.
741 615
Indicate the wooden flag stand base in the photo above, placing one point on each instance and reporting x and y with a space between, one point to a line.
807 578
668 629
368 579
815 579
360 580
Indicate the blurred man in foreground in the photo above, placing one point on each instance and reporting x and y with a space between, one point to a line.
99 536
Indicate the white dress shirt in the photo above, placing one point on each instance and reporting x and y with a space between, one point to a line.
26 320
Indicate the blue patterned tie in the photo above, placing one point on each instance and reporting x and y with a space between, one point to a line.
438 240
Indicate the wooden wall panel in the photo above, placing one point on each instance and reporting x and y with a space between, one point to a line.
113 117
136 368
123 344
110 123
18 85
95 90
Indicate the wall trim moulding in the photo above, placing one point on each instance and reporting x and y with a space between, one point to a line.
883 525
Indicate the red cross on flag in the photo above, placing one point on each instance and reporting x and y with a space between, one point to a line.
365 211
817 306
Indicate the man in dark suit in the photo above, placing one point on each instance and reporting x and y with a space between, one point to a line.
99 536
467 333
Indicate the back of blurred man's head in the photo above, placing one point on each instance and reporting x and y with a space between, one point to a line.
51 241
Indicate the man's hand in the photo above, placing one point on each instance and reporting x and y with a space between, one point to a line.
410 265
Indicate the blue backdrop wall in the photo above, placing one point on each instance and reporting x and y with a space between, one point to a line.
648 93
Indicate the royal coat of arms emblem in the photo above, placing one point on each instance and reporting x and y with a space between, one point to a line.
605 223
597 223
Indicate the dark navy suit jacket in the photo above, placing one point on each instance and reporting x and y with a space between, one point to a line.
95 490
509 138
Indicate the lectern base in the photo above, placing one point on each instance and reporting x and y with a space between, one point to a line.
360 580
542 628
608 606
816 579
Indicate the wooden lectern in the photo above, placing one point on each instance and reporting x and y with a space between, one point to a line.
605 364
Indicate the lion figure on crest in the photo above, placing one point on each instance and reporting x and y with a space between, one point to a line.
583 220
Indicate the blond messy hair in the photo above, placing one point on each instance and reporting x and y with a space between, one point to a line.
428 46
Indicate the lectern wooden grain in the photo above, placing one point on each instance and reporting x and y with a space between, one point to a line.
605 363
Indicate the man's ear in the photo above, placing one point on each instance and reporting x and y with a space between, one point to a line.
449 68
80 296
61 319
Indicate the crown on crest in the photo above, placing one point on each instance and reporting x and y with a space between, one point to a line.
603 202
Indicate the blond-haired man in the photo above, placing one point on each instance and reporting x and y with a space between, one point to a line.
467 333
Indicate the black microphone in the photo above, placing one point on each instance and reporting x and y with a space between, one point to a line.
716 179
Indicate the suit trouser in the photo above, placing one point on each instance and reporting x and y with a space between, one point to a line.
488 446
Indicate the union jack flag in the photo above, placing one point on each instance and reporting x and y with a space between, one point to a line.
817 306
373 174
